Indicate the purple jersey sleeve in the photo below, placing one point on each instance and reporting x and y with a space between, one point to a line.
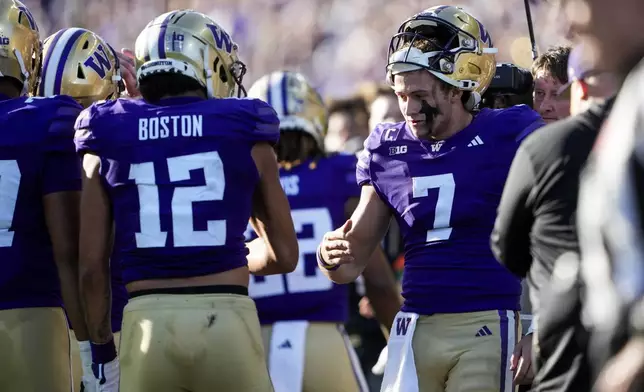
84 138
62 170
363 166
258 120
363 175
521 120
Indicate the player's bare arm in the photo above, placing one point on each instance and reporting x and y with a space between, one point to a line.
95 239
61 215
380 283
276 249
350 247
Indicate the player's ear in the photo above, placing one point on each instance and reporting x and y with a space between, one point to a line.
455 95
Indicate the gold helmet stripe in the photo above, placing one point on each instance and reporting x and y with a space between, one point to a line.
54 64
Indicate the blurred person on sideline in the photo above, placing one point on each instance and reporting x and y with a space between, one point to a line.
348 125
535 226
611 197
440 173
549 72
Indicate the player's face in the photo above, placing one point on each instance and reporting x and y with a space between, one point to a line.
609 29
547 102
384 109
425 103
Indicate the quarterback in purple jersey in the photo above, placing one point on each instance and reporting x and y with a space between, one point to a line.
39 195
180 172
302 313
79 63
440 174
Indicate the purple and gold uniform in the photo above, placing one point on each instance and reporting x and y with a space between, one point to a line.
444 196
37 158
180 178
305 294
302 313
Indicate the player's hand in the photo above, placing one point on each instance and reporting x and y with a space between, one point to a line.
625 371
336 248
128 72
521 361
106 376
365 308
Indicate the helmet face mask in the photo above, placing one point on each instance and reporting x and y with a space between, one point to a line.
189 43
449 43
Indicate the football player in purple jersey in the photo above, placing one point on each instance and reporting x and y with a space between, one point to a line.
79 63
440 173
39 197
302 313
180 172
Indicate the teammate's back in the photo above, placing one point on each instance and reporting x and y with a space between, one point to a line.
39 184
180 173
34 134
182 176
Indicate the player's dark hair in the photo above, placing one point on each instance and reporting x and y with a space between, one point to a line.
157 86
296 146
553 62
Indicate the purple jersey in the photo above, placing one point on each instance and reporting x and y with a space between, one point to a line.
317 193
444 196
37 158
180 178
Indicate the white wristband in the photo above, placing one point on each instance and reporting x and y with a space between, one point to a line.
531 328
85 353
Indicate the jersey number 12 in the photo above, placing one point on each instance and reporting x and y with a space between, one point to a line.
183 232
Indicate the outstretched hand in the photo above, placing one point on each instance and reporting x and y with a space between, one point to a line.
336 248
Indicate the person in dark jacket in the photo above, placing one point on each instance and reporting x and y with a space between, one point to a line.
535 228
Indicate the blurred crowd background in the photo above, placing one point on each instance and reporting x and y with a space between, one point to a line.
337 43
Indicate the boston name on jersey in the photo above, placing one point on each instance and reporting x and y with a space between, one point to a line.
175 195
444 196
171 126
317 193
37 157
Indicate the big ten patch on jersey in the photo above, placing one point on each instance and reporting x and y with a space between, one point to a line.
180 177
444 195
317 192
37 157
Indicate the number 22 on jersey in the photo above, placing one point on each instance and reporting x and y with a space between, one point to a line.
183 232
298 281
